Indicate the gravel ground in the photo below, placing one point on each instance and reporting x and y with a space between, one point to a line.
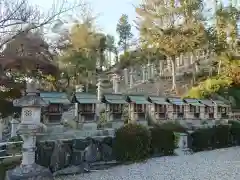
222 164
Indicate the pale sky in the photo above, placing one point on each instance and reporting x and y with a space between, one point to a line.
109 12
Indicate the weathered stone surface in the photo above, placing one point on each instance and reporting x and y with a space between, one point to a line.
32 172
92 153
106 152
60 156
71 170
44 153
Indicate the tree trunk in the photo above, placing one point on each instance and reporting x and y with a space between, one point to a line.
194 73
110 58
193 60
88 80
219 66
161 67
173 63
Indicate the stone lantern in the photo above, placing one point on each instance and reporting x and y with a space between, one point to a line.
28 129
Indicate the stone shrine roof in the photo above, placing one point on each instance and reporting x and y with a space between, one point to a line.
158 100
138 99
85 98
30 100
193 102
220 103
176 101
55 97
207 102
114 99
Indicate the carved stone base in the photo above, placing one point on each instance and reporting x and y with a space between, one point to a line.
32 172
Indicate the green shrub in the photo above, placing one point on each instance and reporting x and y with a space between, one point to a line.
173 126
221 136
162 141
202 139
235 131
210 138
132 143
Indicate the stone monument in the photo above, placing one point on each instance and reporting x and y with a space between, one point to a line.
182 144
14 126
28 129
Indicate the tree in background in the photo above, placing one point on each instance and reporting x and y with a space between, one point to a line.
173 30
20 16
124 31
110 43
223 41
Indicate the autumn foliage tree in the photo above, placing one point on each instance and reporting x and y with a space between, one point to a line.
171 28
23 50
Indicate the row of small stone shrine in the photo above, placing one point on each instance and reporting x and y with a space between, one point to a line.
139 107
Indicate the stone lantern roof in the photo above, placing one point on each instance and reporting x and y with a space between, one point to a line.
32 99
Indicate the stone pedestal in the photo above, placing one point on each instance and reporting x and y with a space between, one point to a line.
116 82
131 78
29 127
99 94
29 172
126 76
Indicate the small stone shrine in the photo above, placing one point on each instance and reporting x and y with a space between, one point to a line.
58 103
86 106
183 144
114 104
28 129
138 108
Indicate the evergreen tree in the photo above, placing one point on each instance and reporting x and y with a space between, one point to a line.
124 31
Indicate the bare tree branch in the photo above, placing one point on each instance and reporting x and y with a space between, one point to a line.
19 16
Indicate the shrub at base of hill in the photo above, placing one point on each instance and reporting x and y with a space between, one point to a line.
202 139
173 126
162 141
132 143
221 136
210 138
235 131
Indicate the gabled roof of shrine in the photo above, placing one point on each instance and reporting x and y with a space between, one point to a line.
176 101
55 97
220 103
114 98
207 102
85 98
158 100
194 102
138 99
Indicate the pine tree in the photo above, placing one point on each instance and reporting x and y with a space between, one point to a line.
124 31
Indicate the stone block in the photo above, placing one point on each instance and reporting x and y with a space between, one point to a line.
144 123
117 124
90 126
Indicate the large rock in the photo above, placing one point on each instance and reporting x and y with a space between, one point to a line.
61 156
92 153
